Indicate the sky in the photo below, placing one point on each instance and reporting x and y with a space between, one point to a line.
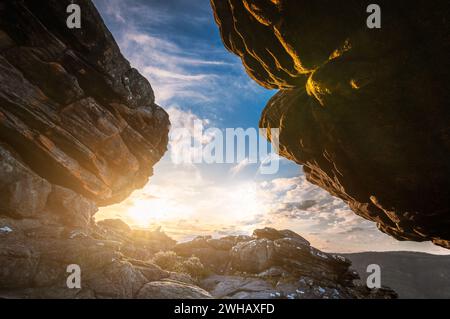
176 45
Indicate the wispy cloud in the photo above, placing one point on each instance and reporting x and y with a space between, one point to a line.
172 74
185 142
166 74
175 73
240 166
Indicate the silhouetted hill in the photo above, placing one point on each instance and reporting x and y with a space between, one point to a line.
410 274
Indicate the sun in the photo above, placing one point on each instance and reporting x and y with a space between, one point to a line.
156 211
215 207
145 212
243 203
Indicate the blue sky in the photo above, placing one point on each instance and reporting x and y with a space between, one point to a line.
176 45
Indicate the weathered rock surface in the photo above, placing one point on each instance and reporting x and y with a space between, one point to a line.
35 253
284 266
71 107
236 286
139 244
365 111
172 290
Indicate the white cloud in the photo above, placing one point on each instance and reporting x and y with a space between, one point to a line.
240 166
188 136
162 73
150 41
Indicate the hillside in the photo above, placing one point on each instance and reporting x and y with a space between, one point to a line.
410 274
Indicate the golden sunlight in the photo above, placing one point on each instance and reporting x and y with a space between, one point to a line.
145 212
242 204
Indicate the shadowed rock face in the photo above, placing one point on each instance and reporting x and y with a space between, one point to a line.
365 111
71 107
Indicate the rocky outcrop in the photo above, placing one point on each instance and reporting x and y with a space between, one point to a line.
71 107
79 128
274 264
365 111
34 255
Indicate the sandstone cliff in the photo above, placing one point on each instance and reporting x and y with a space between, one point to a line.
365 111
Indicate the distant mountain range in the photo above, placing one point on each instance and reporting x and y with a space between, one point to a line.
410 274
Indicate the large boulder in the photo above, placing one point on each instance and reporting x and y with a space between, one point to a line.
214 253
172 290
365 111
253 256
230 286
274 234
290 252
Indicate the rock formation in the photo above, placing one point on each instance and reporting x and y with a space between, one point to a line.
274 264
72 109
79 128
365 111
